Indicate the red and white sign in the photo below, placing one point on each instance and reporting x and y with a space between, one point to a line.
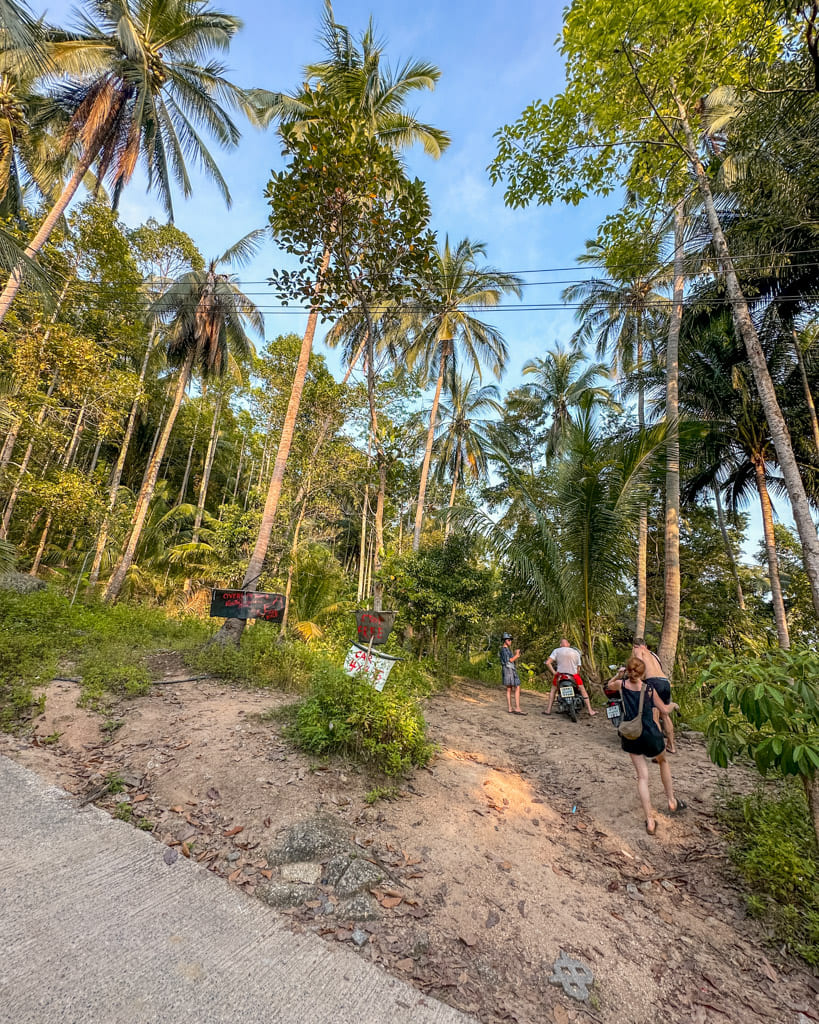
375 666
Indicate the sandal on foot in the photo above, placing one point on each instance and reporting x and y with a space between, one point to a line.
681 806
521 712
652 831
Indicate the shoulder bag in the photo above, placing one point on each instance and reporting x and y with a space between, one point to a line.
633 728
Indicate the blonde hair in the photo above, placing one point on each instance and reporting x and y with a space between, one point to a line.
636 668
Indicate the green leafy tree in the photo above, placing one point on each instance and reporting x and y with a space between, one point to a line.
139 83
632 114
208 316
768 710
445 334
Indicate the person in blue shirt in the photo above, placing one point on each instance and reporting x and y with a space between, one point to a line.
511 679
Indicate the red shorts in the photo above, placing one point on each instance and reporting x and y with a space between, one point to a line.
576 678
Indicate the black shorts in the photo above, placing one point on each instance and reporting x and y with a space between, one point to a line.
662 688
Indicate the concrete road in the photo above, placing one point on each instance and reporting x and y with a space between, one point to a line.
96 929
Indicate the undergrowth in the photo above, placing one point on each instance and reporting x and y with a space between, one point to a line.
772 844
108 644
343 715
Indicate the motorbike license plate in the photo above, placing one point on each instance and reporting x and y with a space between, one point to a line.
567 691
613 711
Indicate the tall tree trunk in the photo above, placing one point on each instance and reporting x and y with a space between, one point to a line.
95 456
210 456
770 550
239 469
362 543
642 524
812 784
9 443
422 487
183 490
146 492
671 578
806 388
18 483
726 540
39 240
35 565
455 476
116 476
378 556
232 629
744 325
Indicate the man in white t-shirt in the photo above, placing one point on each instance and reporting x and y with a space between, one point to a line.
565 661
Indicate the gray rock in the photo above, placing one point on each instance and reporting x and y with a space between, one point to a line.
359 937
302 871
20 582
358 908
233 855
360 875
634 892
419 946
287 894
313 839
336 867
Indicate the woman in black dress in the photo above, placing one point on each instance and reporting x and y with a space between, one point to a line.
650 745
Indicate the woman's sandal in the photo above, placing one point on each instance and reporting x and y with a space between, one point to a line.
652 831
681 806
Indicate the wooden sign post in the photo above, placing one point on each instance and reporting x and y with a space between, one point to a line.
246 604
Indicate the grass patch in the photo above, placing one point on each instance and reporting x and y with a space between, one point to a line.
109 644
772 843
387 793
347 716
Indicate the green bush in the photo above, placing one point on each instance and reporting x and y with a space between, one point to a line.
772 843
344 715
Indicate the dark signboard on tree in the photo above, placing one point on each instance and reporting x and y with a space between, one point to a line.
374 627
246 604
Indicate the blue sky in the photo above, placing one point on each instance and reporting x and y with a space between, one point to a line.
495 58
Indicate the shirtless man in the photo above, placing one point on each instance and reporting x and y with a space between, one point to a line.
656 677
565 660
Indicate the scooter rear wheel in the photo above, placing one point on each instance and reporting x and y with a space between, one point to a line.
572 711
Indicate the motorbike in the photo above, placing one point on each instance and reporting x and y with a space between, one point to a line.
569 700
614 704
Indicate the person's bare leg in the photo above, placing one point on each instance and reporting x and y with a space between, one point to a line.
509 698
641 769
551 699
517 698
668 785
585 697
667 726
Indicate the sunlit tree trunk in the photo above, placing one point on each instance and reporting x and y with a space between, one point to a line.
770 550
642 524
183 490
146 492
116 476
422 487
726 540
210 456
806 388
671 577
18 483
232 629
777 426
455 476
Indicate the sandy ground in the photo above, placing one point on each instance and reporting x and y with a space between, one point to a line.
523 839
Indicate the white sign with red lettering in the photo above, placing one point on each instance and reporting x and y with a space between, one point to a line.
375 666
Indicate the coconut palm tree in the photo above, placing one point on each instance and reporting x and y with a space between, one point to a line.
445 334
623 314
137 84
564 382
572 557
208 315
717 388
462 443
357 75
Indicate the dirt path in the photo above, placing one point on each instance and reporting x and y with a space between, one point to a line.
523 839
